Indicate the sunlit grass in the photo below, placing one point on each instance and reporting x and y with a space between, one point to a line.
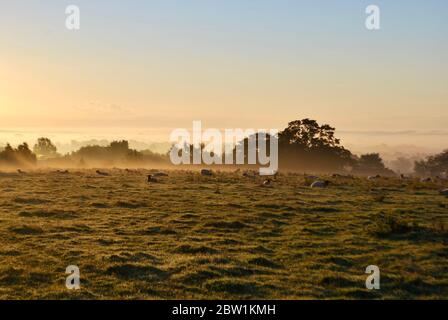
224 236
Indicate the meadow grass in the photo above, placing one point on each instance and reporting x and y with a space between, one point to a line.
219 237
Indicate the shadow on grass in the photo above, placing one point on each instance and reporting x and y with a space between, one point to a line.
392 227
140 272
236 287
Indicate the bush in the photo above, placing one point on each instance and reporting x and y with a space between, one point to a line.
21 156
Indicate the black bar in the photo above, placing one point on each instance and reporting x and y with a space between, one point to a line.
232 309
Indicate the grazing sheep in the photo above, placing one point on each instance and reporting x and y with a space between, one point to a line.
152 179
250 174
62 171
267 183
160 174
425 180
101 173
320 184
206 172
444 192
374 177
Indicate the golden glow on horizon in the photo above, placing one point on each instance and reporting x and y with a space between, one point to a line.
49 92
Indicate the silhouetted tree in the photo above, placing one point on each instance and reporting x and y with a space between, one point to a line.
306 145
119 147
25 154
8 154
308 133
371 163
433 165
45 148
251 144
117 152
22 156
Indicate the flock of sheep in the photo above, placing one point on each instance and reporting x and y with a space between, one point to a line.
324 183
317 182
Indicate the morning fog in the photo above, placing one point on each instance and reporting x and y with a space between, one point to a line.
226 147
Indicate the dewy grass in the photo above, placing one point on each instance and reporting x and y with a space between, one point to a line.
179 238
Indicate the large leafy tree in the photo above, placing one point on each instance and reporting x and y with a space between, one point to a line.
45 148
308 133
307 145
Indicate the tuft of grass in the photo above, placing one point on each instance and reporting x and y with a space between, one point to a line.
53 214
388 225
11 276
337 281
27 230
260 261
188 249
133 271
238 288
226 225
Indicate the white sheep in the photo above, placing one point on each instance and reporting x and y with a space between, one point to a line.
267 183
101 173
320 184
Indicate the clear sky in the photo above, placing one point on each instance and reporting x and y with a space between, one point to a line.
230 63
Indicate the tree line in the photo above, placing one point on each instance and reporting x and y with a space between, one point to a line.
304 145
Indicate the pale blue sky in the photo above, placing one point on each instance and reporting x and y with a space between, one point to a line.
229 63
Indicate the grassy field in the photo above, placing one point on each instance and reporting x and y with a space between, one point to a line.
224 236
